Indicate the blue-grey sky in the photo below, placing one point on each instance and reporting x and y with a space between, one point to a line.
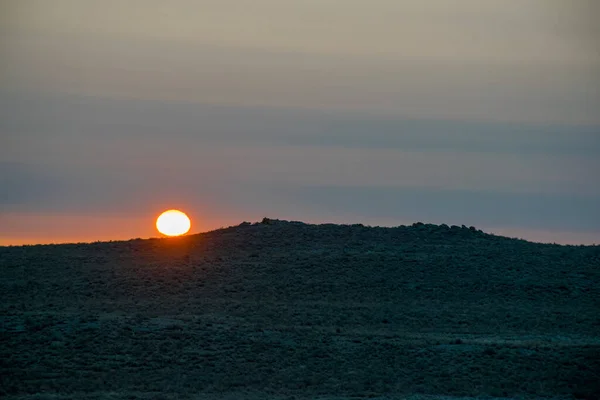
470 112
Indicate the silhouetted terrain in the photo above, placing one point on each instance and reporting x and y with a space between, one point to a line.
290 310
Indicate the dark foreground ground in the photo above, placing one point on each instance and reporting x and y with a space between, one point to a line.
288 310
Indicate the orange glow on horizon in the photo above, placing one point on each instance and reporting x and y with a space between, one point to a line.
31 228
20 228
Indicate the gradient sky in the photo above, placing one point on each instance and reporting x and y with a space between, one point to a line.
383 112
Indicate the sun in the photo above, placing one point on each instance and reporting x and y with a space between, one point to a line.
173 223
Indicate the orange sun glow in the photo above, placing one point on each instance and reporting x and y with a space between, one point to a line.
173 223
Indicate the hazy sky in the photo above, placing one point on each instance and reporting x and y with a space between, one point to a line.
470 112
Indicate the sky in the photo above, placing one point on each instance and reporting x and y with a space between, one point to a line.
381 112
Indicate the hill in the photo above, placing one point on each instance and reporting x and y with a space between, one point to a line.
290 310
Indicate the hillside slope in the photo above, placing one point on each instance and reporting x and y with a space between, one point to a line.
285 309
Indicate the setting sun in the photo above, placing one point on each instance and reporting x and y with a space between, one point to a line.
173 223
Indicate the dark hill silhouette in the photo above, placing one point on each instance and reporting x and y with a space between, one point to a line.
278 309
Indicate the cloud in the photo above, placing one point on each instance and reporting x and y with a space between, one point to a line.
144 124
25 185
503 60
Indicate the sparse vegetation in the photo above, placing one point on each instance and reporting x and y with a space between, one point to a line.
281 309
